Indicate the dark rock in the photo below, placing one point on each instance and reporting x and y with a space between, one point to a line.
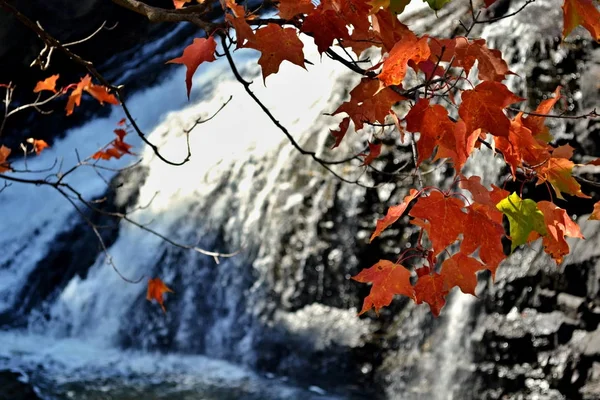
16 386
571 305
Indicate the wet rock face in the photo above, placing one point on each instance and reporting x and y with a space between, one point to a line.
539 333
15 386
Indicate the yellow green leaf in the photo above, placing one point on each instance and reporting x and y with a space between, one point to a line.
523 216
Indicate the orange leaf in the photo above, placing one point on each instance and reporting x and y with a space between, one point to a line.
201 50
581 12
75 96
47 84
520 145
437 129
558 171
596 213
558 225
393 213
410 48
430 289
4 165
101 94
388 279
156 289
368 103
38 145
460 270
277 44
481 108
445 218
464 53
288 9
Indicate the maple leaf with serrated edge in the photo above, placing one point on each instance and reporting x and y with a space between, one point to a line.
156 290
524 217
394 213
520 146
276 45
444 216
4 165
47 84
481 194
395 66
558 171
581 12
482 108
437 129
430 288
201 50
388 279
325 26
368 103
595 216
464 53
460 270
483 230
558 225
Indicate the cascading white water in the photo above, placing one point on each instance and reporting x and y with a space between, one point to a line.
243 181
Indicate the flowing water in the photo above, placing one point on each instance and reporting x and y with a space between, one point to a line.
283 304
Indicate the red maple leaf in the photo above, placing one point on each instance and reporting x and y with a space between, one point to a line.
430 288
558 225
277 44
444 216
325 26
464 53
409 48
201 50
460 270
368 103
393 213
388 279
482 108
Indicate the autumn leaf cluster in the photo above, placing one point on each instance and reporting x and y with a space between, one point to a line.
452 113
